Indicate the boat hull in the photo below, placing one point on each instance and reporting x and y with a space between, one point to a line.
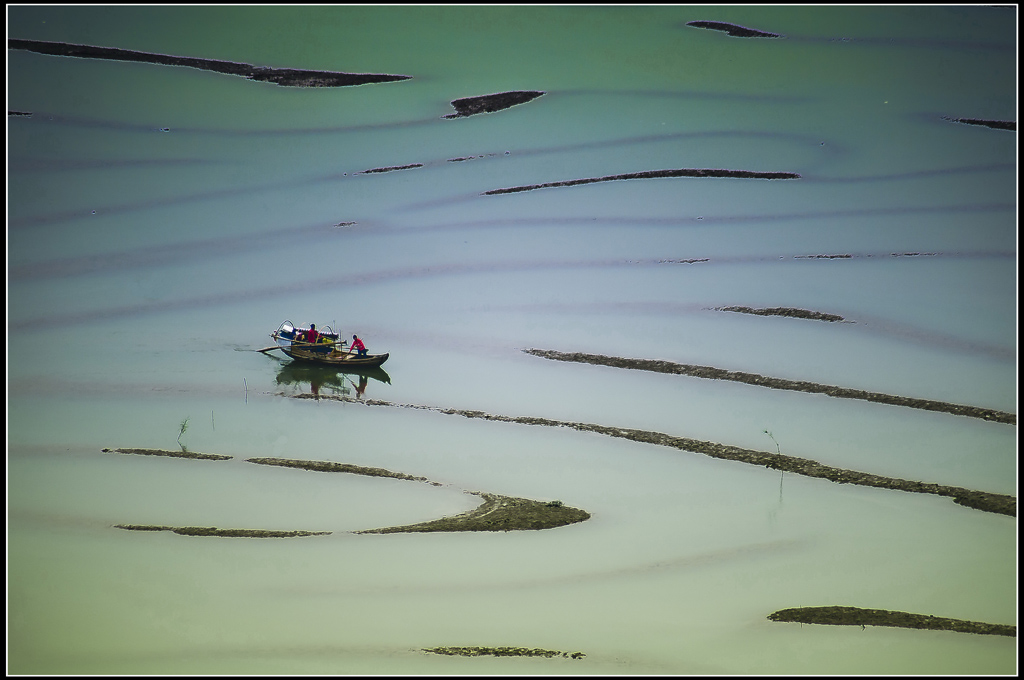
336 359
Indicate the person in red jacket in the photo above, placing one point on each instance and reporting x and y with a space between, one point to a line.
358 346
311 334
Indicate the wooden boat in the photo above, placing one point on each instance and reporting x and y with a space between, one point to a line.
326 350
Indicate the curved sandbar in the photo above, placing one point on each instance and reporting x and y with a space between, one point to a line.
732 29
713 373
783 311
980 500
502 651
651 174
498 513
855 616
224 533
489 103
287 77
172 454
994 124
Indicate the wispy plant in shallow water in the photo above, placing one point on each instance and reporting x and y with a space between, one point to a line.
184 426
779 450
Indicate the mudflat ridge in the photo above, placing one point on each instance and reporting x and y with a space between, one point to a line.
650 174
712 373
783 311
498 513
288 77
994 124
170 454
980 500
856 616
489 103
733 30
223 533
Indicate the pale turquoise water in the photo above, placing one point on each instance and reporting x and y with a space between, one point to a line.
144 260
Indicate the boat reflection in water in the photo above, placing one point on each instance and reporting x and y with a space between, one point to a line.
329 380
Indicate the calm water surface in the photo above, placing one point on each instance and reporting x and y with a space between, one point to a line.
162 221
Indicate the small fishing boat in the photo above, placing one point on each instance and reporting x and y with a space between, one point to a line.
326 350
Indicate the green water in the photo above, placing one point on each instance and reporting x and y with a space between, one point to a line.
163 220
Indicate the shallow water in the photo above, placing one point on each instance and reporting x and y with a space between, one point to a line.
163 220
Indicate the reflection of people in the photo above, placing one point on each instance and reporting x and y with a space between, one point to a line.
358 346
311 334
361 387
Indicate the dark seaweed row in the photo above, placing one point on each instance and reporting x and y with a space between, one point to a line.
172 454
223 533
489 103
502 651
848 256
328 466
392 168
732 29
980 500
713 373
994 124
652 174
784 311
855 616
498 513
281 76
841 256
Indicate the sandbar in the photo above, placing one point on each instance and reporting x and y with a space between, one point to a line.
855 616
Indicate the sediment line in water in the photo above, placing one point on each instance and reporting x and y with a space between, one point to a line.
713 373
980 500
172 454
489 103
732 29
651 174
855 616
223 533
287 77
783 311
